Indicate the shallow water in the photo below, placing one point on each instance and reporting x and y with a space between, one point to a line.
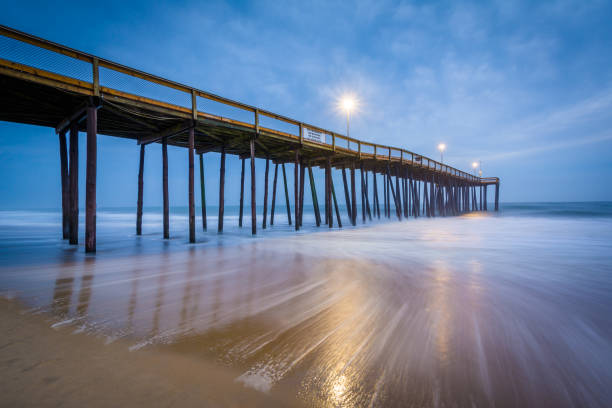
480 310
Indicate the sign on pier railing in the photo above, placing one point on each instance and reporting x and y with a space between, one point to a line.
314 135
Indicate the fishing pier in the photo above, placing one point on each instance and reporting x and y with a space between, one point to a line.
47 84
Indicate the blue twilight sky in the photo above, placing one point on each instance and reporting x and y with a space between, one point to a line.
522 86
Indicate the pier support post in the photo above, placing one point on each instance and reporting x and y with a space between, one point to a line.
296 190
390 183
331 180
405 195
486 187
346 194
265 205
325 195
398 196
166 205
367 198
192 238
315 201
203 192
353 197
330 211
302 175
387 196
241 211
362 189
90 179
74 183
221 190
426 199
497 196
432 196
253 198
139 201
286 195
65 185
274 194
481 197
375 197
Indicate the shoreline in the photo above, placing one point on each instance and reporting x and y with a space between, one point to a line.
43 366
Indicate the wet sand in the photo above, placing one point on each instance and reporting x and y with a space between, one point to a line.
46 367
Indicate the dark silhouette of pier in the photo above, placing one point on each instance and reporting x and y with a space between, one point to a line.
47 84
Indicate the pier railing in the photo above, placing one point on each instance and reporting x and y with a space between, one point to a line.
75 71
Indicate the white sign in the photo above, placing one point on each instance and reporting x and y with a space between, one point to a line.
313 135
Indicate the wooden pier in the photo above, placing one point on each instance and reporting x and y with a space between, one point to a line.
47 84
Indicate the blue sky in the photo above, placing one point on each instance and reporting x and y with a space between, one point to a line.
522 86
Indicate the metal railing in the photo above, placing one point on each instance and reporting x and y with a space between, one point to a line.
61 66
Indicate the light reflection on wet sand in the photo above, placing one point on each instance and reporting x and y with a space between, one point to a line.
450 312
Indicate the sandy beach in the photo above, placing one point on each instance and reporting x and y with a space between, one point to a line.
46 367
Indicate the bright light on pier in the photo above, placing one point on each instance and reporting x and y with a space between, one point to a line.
348 103
441 148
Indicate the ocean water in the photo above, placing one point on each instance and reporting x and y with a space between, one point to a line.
487 309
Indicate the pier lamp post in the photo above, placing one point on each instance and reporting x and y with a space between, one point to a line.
480 168
348 104
474 166
441 148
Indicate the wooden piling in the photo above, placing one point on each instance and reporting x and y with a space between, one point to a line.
90 179
326 195
241 210
74 183
404 196
139 201
273 194
397 209
253 197
426 199
432 197
287 195
367 198
203 193
190 153
363 206
315 201
376 200
296 190
409 191
497 196
346 194
384 194
387 196
336 203
302 175
166 206
330 215
265 206
399 197
221 190
353 196
65 185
